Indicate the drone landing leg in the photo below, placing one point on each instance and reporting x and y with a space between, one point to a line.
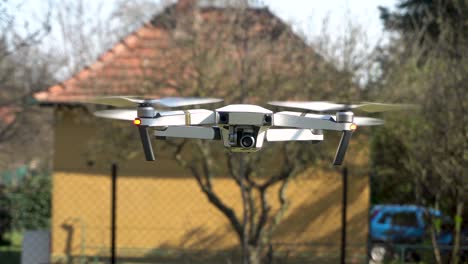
342 147
145 141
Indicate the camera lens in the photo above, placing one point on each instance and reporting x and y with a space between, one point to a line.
247 141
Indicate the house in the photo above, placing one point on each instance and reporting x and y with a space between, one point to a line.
161 212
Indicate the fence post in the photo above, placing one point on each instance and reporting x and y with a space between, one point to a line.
113 210
402 254
343 214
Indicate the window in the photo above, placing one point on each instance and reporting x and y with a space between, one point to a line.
408 219
385 217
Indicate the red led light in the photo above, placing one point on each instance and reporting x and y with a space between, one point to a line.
137 121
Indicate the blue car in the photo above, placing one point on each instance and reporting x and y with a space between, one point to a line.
400 224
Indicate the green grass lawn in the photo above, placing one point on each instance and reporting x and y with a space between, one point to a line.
11 253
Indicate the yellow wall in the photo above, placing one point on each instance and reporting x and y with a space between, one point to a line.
160 206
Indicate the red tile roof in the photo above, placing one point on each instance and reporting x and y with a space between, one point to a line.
117 71
123 70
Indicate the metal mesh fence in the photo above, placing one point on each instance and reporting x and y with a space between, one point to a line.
167 219
291 253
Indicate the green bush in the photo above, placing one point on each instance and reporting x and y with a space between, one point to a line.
29 203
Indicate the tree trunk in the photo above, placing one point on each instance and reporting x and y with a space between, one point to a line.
254 254
435 246
257 254
434 233
456 231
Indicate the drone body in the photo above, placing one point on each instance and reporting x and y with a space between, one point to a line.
241 127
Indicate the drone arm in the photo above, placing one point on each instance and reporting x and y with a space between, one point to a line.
308 121
292 135
312 121
190 132
181 118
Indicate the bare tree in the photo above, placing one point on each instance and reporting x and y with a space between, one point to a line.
245 55
85 29
24 70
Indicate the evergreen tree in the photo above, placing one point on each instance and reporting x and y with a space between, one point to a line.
428 22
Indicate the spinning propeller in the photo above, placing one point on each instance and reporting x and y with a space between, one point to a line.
121 114
321 106
133 101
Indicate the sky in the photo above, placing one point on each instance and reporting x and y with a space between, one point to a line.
307 15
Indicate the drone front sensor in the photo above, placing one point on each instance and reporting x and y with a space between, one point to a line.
242 127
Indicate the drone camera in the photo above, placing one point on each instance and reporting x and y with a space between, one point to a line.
241 138
247 141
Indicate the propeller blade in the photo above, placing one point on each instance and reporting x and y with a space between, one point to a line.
318 106
321 106
131 101
184 101
117 101
379 107
121 114
367 121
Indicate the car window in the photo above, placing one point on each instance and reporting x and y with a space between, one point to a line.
408 219
384 218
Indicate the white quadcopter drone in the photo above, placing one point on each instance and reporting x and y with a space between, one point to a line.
241 127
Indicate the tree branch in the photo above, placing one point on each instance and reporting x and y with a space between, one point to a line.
208 191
